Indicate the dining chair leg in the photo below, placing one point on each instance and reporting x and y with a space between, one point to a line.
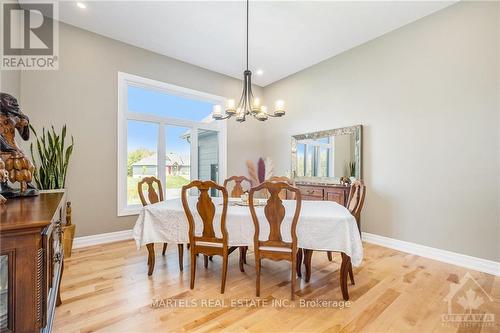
151 257
164 249
351 274
329 254
257 280
180 249
224 273
205 261
245 254
241 261
193 269
294 272
344 268
307 263
299 263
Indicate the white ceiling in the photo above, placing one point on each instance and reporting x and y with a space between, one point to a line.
285 37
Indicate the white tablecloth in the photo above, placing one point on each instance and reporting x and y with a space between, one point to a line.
323 225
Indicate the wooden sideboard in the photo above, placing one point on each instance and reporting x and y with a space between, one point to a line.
313 191
32 261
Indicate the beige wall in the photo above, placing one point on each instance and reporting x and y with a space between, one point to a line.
427 96
10 82
83 95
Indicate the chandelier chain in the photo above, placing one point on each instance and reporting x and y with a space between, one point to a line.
247 31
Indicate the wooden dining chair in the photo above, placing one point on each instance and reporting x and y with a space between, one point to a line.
290 195
154 197
274 247
236 192
355 204
356 200
208 243
283 194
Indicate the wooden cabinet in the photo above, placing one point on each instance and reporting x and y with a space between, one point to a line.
337 193
32 261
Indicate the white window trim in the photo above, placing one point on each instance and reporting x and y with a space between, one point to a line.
125 80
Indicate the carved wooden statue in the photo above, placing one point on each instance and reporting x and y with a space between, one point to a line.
19 168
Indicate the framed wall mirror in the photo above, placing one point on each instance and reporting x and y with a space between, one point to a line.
326 156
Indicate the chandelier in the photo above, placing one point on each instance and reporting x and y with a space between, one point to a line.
248 105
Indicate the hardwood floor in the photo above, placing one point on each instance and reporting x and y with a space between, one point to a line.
106 288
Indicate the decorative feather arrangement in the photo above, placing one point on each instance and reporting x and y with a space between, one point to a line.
269 168
261 169
252 173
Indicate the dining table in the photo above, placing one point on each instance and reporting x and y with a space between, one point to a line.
322 226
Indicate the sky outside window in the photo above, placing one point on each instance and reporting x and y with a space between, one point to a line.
161 104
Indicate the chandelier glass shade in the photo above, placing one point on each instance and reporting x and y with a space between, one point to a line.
248 105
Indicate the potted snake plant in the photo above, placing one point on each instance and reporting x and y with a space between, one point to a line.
51 158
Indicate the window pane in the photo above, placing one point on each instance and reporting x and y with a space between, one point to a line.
323 162
309 161
177 159
142 159
162 104
300 160
208 156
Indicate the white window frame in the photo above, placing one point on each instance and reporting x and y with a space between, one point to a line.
124 81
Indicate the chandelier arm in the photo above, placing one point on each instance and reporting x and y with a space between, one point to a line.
250 89
242 97
248 103
226 117
255 116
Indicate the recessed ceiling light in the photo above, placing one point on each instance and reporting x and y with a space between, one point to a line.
81 5
259 72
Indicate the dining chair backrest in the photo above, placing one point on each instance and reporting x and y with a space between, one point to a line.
206 210
237 190
356 198
283 194
153 196
275 214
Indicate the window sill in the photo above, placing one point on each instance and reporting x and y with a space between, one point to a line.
130 210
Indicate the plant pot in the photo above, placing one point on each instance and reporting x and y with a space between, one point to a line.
67 239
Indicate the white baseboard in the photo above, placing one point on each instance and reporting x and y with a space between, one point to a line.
109 237
478 264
